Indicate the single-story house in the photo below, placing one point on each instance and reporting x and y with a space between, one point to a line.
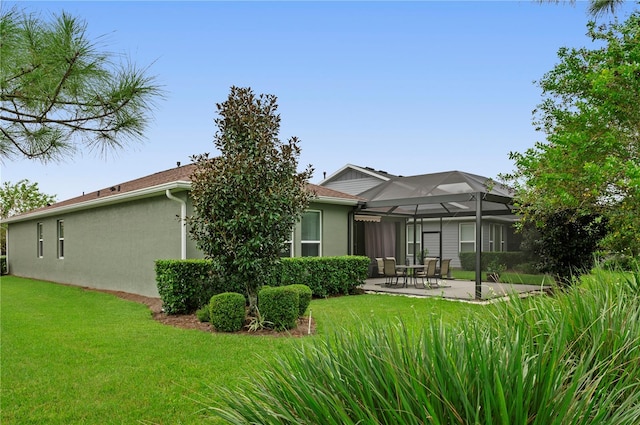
110 239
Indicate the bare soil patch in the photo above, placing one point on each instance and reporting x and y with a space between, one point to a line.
190 321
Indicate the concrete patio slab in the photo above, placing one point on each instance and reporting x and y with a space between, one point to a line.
463 290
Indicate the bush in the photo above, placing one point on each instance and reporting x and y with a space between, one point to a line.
511 259
621 262
279 306
304 297
186 285
326 276
203 314
3 264
227 311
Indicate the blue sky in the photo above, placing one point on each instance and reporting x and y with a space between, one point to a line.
405 87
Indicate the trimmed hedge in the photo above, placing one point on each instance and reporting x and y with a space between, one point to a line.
326 276
186 285
227 311
304 297
279 306
509 258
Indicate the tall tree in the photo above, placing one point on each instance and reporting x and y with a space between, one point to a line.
19 198
590 162
247 200
59 91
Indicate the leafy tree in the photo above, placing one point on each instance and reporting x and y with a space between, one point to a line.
58 90
19 198
247 200
589 165
564 245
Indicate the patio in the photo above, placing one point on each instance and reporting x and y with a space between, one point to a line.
454 289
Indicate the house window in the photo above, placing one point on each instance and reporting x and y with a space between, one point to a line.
496 238
411 249
311 234
40 237
467 237
60 239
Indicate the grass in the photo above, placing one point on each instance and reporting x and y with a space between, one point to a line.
507 277
72 356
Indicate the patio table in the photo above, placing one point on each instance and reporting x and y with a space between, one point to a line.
410 271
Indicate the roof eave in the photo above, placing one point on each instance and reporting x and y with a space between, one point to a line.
371 173
107 200
336 201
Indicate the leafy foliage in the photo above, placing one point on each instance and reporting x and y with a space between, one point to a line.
304 297
56 86
510 259
186 285
326 276
280 306
227 311
565 245
590 164
247 200
19 198
570 359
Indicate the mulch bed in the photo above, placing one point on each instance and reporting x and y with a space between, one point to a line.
190 321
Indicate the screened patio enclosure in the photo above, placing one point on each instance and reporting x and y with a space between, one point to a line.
440 195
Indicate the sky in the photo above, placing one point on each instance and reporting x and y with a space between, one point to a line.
405 87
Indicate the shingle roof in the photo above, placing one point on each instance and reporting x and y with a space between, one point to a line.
178 174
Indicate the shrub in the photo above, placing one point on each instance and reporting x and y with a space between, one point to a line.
203 314
510 259
621 262
279 306
304 296
3 264
186 285
227 311
326 276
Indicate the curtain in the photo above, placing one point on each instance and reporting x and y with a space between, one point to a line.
380 240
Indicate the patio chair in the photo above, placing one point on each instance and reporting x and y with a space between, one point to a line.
429 272
444 269
380 263
390 271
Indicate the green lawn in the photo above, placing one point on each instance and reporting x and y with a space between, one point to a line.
72 356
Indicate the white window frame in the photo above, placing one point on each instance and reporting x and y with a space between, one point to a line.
40 240
60 232
309 242
465 241
409 237
496 234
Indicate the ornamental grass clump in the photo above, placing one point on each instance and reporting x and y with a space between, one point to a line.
571 359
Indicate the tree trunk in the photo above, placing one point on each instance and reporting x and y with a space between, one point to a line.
253 303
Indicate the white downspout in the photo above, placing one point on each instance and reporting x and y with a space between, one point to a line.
183 224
